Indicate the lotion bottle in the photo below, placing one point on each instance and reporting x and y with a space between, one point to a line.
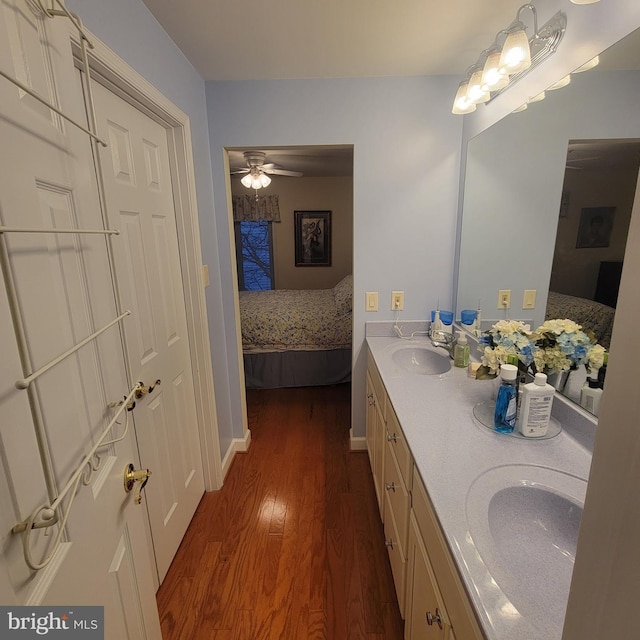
535 409
461 351
591 394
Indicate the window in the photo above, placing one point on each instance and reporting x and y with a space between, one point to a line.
254 255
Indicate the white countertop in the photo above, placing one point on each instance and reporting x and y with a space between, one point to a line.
462 462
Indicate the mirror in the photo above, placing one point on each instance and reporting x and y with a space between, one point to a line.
514 179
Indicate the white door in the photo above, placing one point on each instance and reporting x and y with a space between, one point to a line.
65 294
140 203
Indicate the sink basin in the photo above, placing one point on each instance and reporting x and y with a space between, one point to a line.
422 360
524 522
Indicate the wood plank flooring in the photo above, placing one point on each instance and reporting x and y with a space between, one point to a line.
292 546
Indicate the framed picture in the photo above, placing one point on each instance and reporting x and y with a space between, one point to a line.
312 234
595 227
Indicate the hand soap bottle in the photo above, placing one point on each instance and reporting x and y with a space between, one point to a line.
506 400
461 351
591 394
535 409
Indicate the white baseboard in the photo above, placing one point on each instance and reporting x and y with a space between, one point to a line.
357 444
238 445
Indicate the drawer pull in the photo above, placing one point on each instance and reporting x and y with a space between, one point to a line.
392 438
389 543
390 486
437 619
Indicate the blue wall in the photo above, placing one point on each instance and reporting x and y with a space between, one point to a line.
406 172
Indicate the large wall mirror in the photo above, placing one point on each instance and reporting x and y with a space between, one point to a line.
548 196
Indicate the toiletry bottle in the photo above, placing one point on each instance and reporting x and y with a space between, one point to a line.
461 351
602 371
535 410
591 394
506 400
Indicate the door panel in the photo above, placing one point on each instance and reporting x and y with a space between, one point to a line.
140 203
64 293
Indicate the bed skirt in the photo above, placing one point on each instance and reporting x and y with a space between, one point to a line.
296 368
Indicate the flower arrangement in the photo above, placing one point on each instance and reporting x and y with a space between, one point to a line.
557 345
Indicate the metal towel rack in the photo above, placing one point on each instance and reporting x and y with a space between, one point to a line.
54 512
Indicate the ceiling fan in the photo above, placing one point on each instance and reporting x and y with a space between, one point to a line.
256 172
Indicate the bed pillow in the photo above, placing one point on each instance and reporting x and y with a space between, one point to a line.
343 294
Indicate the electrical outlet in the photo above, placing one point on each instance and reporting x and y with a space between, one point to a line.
504 299
529 299
371 301
397 300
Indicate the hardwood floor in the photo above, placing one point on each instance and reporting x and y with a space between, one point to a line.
292 546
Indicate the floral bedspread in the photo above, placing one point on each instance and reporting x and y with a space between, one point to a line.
288 320
593 316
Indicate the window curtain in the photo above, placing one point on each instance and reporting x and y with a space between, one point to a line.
251 208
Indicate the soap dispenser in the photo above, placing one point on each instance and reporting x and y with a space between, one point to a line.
461 351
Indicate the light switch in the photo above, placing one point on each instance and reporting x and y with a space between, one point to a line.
529 299
205 275
371 301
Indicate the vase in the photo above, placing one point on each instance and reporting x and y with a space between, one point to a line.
558 379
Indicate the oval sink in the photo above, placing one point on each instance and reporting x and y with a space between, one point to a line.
422 360
524 522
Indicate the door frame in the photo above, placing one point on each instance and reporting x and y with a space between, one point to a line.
113 72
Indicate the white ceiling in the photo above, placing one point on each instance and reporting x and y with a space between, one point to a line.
254 39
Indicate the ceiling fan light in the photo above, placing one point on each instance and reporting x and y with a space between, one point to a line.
265 180
246 181
492 78
475 93
516 54
462 104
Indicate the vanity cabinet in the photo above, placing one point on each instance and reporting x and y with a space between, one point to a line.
428 548
376 428
396 485
431 596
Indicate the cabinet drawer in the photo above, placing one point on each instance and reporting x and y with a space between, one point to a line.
459 609
378 387
396 554
395 488
398 444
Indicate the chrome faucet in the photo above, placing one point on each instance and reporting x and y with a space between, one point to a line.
443 339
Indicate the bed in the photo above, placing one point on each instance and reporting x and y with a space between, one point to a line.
593 316
297 338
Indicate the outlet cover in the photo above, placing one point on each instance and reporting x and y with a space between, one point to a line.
397 300
504 299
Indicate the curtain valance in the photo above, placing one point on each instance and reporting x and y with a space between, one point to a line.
250 209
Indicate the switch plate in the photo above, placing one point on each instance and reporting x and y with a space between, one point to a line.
397 300
371 301
504 299
205 275
529 299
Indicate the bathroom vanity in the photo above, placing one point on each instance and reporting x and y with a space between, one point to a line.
481 527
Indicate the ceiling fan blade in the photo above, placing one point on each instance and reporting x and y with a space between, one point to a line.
283 172
233 171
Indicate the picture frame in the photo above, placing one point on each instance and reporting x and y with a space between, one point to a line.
312 238
595 227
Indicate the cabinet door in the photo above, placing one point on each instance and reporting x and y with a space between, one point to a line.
426 618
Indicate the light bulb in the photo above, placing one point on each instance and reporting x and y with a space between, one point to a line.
516 55
461 103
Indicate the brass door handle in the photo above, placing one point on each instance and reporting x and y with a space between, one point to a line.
144 389
135 477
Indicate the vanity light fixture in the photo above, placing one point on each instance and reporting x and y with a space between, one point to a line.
255 179
501 65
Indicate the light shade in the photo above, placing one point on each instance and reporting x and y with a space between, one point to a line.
461 103
584 1
516 54
541 96
563 82
594 62
492 78
475 92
